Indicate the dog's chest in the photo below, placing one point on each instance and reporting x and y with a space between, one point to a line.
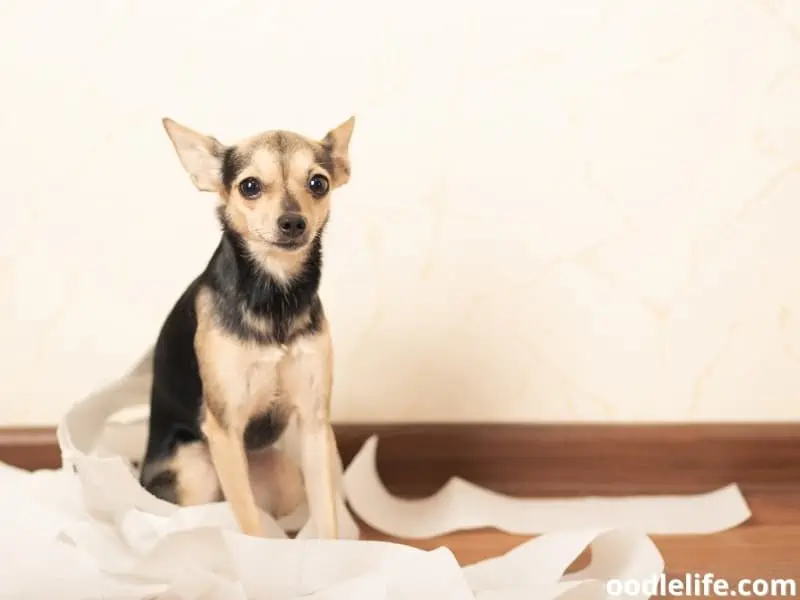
258 375
258 370
245 378
248 381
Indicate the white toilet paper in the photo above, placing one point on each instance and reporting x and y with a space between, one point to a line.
90 531
462 505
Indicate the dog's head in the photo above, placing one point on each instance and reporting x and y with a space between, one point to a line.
274 187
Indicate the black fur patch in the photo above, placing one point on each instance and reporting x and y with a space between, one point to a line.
242 287
265 429
316 314
289 203
232 165
176 392
164 485
279 144
324 158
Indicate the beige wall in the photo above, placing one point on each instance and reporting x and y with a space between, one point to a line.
579 210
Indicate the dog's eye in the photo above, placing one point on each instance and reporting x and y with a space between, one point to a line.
318 185
250 187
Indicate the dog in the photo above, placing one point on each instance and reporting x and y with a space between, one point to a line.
247 346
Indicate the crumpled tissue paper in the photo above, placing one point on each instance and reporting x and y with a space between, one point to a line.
90 531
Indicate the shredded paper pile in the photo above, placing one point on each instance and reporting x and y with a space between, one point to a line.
89 531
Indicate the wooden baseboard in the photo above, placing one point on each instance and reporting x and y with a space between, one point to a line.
541 459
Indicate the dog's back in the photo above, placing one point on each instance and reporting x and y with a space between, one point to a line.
176 394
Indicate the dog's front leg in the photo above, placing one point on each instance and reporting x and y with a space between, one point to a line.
222 364
308 376
226 447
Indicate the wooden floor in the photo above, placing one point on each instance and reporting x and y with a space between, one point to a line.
768 546
618 460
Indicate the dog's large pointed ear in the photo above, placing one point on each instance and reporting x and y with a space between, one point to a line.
337 143
200 155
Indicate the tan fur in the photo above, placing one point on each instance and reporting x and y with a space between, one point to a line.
307 375
258 216
239 379
197 154
196 478
230 463
339 139
242 380
281 264
255 220
282 160
238 382
275 480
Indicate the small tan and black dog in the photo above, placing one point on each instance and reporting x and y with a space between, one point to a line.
247 346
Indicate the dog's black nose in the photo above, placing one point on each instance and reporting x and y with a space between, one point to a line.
292 225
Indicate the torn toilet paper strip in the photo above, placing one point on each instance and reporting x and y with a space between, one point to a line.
109 536
461 505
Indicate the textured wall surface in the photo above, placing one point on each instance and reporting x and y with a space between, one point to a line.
583 210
